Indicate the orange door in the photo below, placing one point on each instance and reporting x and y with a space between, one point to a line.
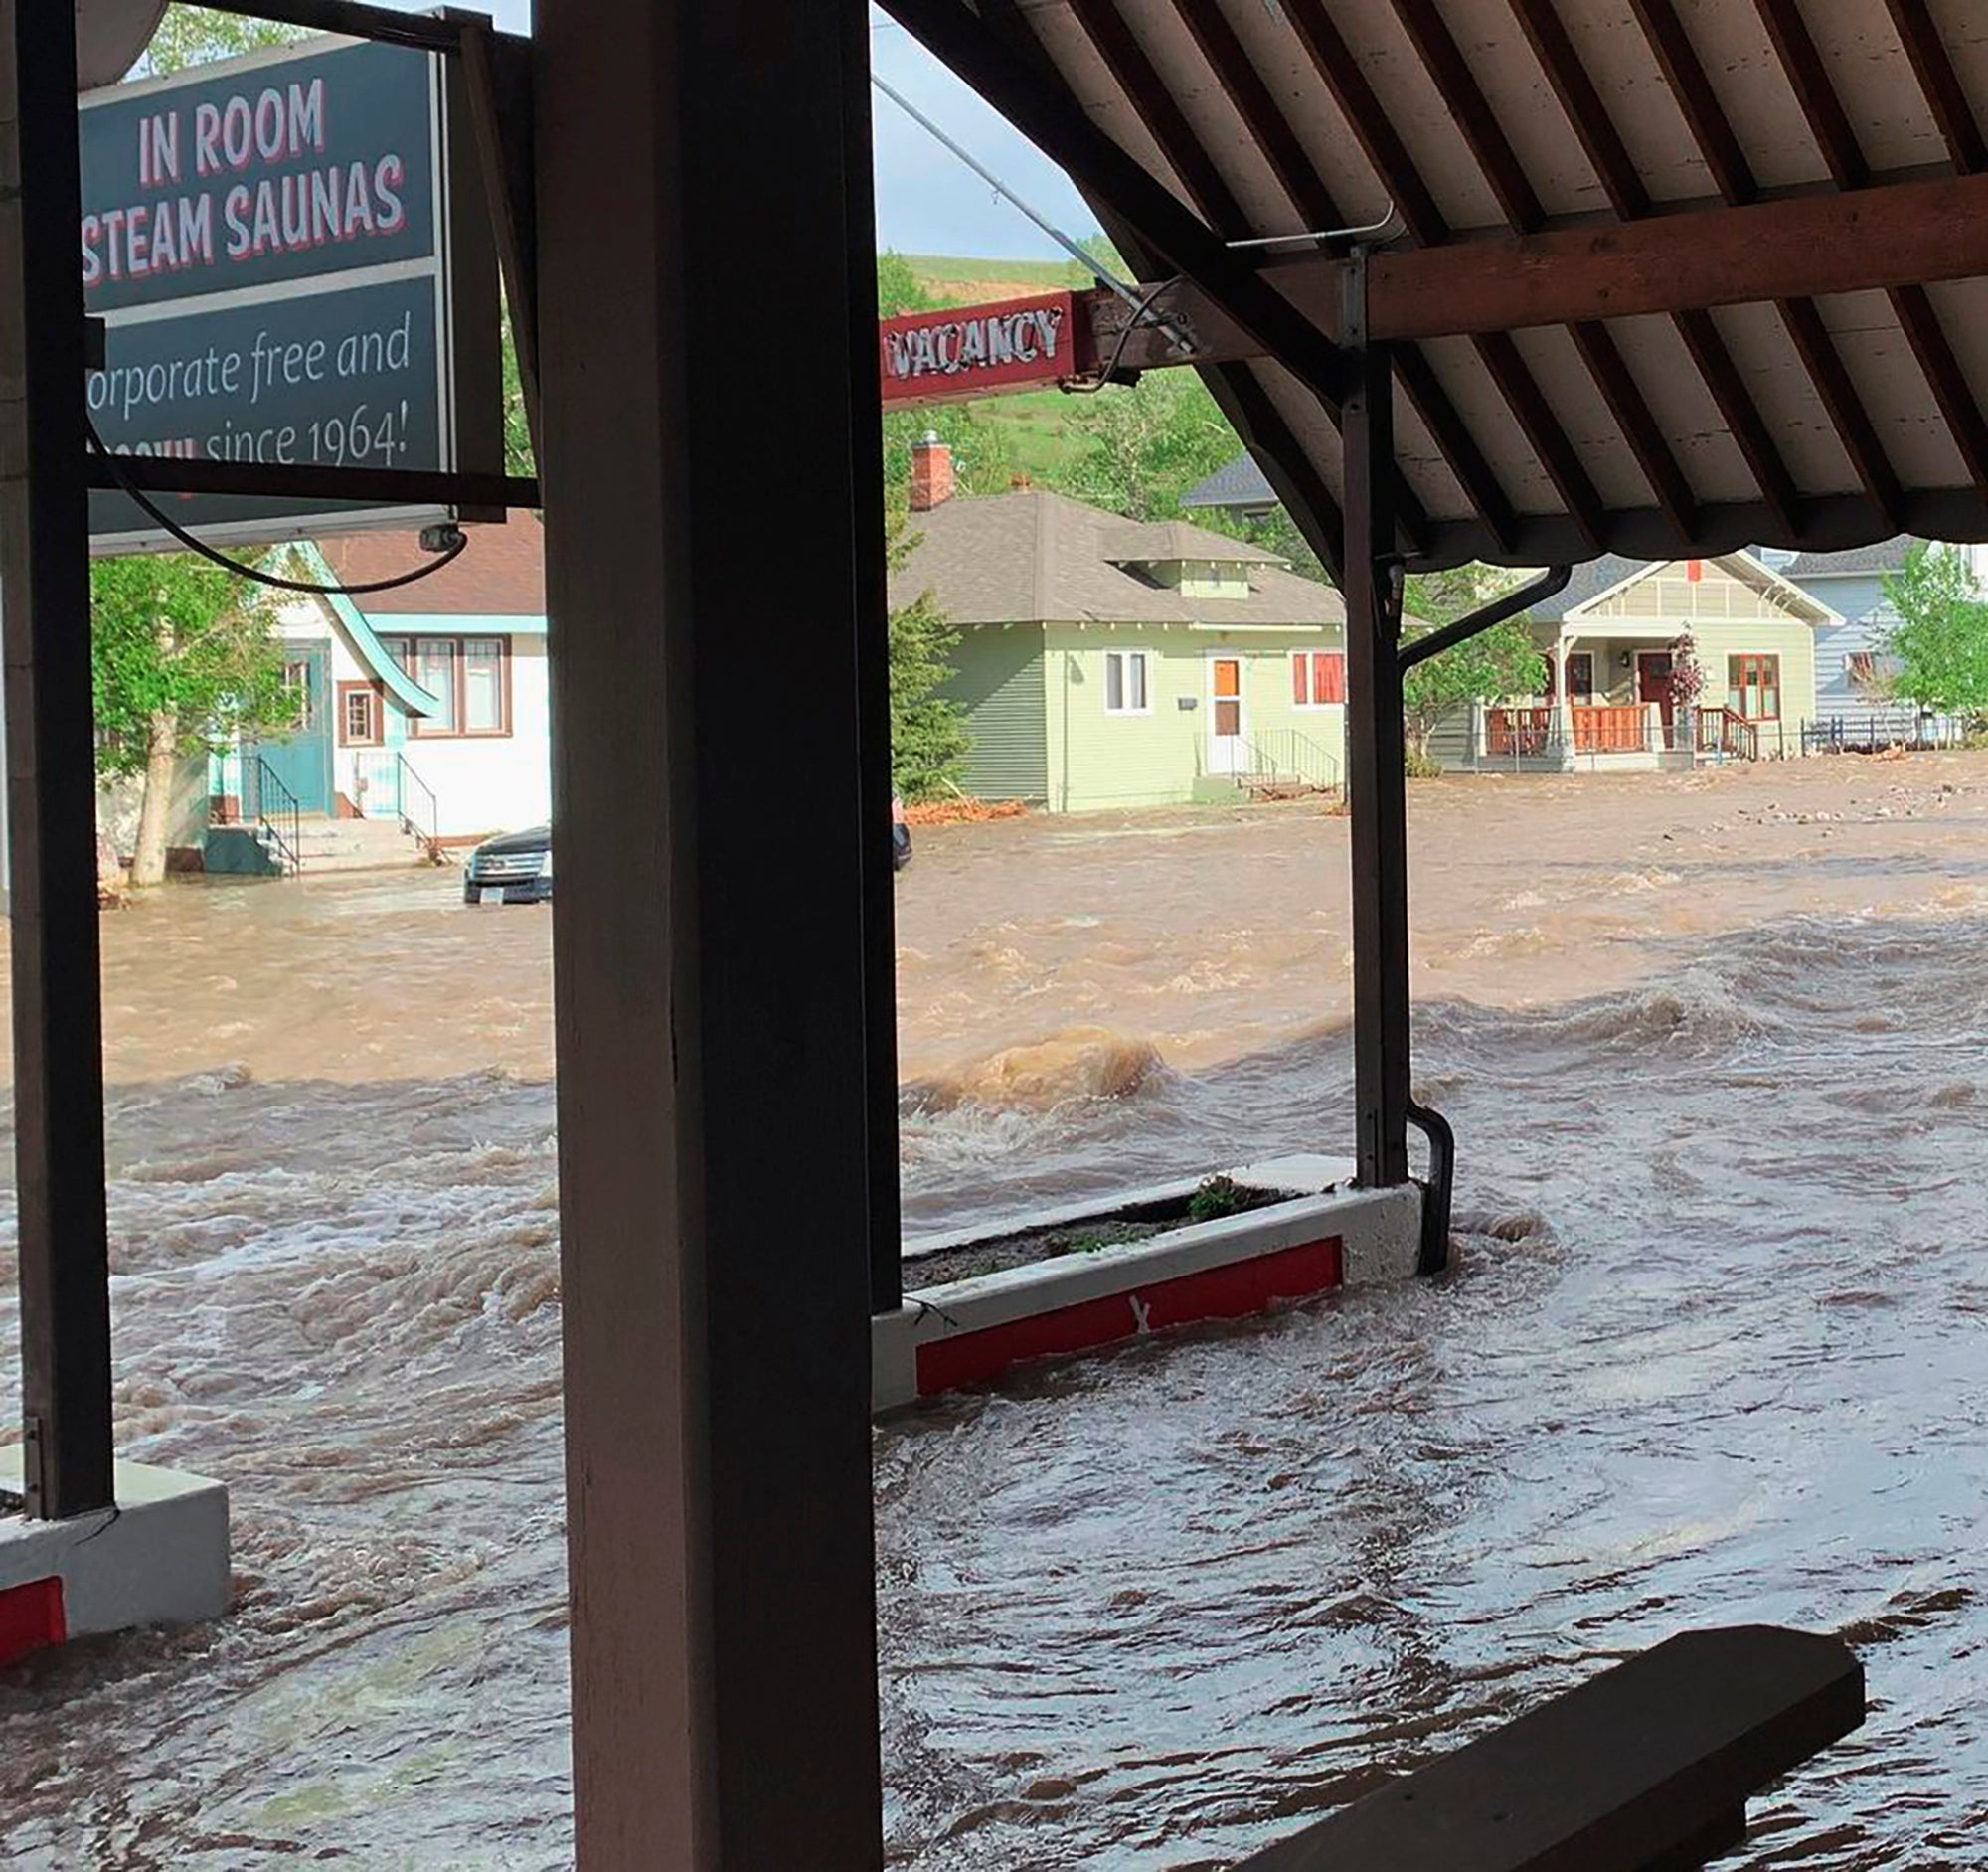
1226 747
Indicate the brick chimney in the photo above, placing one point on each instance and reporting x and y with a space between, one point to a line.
931 474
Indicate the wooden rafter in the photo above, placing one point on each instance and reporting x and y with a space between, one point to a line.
1618 172
1240 393
1427 222
1802 64
1297 175
1542 428
1012 81
1942 85
1403 175
1835 137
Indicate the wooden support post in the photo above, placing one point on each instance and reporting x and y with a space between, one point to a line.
710 601
51 775
1376 784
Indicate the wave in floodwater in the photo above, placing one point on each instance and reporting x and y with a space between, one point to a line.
1714 1350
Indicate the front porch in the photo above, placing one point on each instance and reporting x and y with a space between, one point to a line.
1611 704
1590 737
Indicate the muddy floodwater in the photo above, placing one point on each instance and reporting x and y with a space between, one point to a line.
1716 1348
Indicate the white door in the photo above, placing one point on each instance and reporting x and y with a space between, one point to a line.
1228 727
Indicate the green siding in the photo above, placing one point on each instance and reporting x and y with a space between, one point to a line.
998 676
1162 756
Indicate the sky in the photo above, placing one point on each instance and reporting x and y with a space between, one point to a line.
926 201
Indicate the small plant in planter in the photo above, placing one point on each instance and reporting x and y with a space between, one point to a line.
1221 1196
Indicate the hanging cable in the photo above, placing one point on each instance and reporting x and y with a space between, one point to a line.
1078 387
310 589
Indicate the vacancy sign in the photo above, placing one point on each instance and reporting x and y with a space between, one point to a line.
967 351
266 240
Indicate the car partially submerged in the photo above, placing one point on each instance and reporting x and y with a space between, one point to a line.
517 867
512 867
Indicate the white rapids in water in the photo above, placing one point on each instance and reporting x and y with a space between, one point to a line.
1712 1352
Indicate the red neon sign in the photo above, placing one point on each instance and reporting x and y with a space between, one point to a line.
969 350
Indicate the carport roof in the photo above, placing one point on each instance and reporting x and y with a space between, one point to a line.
1678 275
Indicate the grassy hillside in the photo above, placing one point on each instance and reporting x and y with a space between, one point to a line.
966 282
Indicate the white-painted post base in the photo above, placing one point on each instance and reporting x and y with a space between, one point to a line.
159 1558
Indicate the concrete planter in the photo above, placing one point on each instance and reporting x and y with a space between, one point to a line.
969 1331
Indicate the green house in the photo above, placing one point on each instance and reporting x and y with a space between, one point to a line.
1105 662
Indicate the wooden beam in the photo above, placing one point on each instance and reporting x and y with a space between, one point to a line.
1801 246
1945 99
1648 1765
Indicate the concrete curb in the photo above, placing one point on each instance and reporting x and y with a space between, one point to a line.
969 1331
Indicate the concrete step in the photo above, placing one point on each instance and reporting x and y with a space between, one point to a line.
356 845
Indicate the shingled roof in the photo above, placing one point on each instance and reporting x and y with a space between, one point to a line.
1032 556
1883 556
501 574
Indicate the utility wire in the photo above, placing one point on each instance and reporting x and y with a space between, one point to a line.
193 544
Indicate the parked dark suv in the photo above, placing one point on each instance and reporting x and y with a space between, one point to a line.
512 867
517 867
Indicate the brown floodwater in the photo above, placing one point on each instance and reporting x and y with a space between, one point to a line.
1716 1348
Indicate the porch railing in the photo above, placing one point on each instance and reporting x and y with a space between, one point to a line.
1289 754
1721 731
1520 731
386 786
1611 728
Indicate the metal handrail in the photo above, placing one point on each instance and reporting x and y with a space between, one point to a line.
430 839
286 809
1280 754
374 770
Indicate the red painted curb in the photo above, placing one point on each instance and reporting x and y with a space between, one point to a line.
31 1618
1231 1292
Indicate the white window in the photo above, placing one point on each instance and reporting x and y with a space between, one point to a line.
1125 691
483 686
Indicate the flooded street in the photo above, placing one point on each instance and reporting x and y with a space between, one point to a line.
1716 1348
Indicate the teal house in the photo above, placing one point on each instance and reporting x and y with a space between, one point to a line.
1108 662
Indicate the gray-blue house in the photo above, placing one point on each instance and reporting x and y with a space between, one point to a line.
1851 662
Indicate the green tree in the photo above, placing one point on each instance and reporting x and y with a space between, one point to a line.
900 289
190 34
1136 448
183 657
1940 641
1497 663
929 734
